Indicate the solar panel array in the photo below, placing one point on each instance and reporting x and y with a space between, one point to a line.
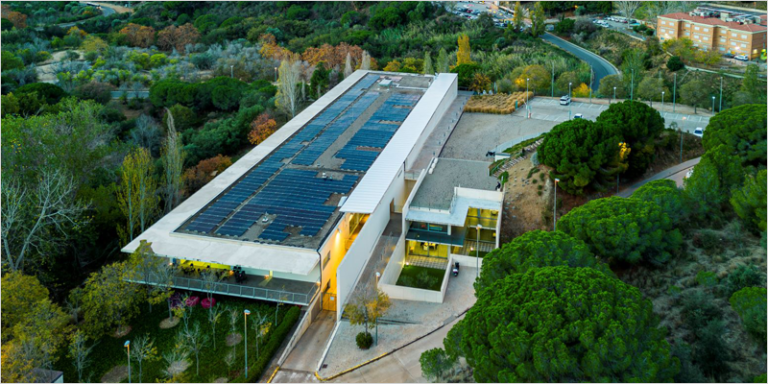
311 221
377 131
298 199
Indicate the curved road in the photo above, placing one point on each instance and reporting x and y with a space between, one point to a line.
600 66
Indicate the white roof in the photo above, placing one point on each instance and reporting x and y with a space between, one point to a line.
165 242
370 191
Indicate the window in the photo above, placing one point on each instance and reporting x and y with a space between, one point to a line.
706 38
706 29
722 40
722 48
696 28
744 37
733 34
687 33
743 45
663 22
326 260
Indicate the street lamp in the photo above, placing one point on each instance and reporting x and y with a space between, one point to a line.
713 105
477 255
614 95
681 140
127 346
569 100
632 87
662 102
231 71
554 210
674 93
245 326
528 115
275 73
720 108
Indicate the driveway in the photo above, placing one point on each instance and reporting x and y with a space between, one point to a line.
676 174
600 66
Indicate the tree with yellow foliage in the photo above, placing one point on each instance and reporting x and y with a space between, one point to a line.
462 55
581 91
480 83
261 128
136 195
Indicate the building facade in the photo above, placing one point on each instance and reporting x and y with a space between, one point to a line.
714 33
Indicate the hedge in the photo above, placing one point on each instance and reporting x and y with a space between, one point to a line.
275 340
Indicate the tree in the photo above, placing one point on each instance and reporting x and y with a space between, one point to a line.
480 83
436 365
214 315
367 309
20 291
666 195
750 304
49 93
173 165
205 171
694 93
463 52
627 8
348 66
565 26
537 20
730 173
608 83
742 131
143 349
80 353
92 43
442 61
703 190
675 64
261 129
651 88
750 83
195 340
136 195
428 69
109 299
624 230
518 18
749 202
183 118
580 153
176 359
261 326
138 35
365 62
287 90
536 249
38 218
96 91
145 265
562 324
173 37
538 78
640 126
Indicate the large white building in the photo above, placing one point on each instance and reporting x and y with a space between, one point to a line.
300 214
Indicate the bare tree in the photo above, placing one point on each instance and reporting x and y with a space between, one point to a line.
627 8
234 316
287 85
143 350
173 164
175 360
195 341
80 353
35 220
261 325
214 315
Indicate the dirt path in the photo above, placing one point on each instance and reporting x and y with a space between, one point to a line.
524 200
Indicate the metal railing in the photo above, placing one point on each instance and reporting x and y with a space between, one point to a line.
239 290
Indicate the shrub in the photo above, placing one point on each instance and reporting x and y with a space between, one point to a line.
50 94
665 193
750 304
275 340
749 202
742 131
99 92
674 64
565 27
706 278
712 353
364 340
744 276
497 104
698 309
436 365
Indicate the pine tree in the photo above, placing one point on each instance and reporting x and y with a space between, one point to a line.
428 69
442 61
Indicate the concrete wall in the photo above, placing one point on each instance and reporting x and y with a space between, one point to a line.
336 245
416 294
448 99
350 268
480 194
395 265
467 261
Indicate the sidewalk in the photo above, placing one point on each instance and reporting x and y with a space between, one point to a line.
665 174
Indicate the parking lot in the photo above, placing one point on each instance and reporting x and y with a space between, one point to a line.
550 110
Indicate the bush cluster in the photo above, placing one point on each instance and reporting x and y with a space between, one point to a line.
275 340
364 340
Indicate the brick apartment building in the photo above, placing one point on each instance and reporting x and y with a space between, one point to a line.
713 33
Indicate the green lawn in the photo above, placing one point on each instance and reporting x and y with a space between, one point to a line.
110 351
421 277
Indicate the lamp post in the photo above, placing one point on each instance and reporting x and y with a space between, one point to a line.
275 73
720 108
553 79
477 255
681 140
713 105
590 84
554 210
674 93
614 95
569 100
662 103
127 346
528 114
632 86
245 326
231 71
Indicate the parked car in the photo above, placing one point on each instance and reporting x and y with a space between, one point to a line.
728 55
689 173
699 131
549 27
565 100
741 57
578 116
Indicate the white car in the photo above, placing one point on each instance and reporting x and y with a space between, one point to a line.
741 57
689 173
565 100
699 131
578 116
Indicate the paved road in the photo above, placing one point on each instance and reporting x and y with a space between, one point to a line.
676 173
601 66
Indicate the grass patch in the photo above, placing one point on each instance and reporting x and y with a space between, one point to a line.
532 172
504 177
110 351
498 104
420 277
518 148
